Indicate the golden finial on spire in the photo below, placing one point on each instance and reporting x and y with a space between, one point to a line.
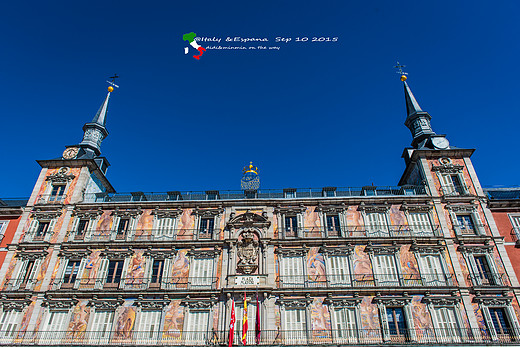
250 168
400 71
110 88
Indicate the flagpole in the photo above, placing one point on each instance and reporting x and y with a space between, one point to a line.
257 320
244 321
232 324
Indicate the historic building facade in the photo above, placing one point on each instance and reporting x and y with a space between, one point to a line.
420 263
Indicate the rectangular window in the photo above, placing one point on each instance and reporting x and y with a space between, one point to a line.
42 229
30 273
291 226
466 225
71 273
290 194
385 270
196 330
396 323
201 273
251 320
295 325
292 272
165 229
115 270
3 227
452 185
432 273
483 274
515 222
157 273
206 228
376 225
338 270
447 329
57 192
56 324
500 321
420 224
102 326
149 326
9 323
345 329
332 225
122 228
82 229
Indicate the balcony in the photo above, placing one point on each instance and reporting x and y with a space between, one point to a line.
15 284
365 280
428 336
297 193
488 279
142 235
404 231
166 283
50 199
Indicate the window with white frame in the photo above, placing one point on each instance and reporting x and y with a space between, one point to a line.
201 272
515 222
40 230
338 269
452 184
292 270
149 326
482 267
83 227
501 319
433 270
164 228
196 326
345 327
124 224
446 323
376 224
157 272
466 220
332 224
3 228
55 325
57 192
420 224
111 273
101 326
251 320
385 269
206 227
396 319
69 273
25 273
9 324
295 325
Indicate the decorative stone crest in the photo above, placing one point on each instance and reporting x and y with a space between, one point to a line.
249 220
62 176
446 166
247 251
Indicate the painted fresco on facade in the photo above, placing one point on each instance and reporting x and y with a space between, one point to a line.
219 270
56 268
57 228
311 222
144 225
79 321
27 315
354 217
46 188
409 264
181 266
9 274
136 267
397 217
369 318
315 265
362 264
88 278
186 225
478 314
421 317
275 227
464 269
105 221
42 271
320 319
125 321
173 320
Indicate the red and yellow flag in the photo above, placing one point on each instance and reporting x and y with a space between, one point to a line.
244 322
232 324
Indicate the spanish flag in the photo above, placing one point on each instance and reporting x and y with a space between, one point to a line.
244 322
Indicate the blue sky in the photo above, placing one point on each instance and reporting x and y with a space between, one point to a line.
310 114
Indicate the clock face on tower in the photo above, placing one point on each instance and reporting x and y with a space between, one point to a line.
70 153
440 142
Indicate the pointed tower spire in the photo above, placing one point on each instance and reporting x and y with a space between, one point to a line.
95 132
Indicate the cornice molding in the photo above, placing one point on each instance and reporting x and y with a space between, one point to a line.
381 208
341 250
392 300
167 213
40 214
14 304
86 214
204 253
294 302
493 300
207 212
291 252
105 304
134 212
30 255
382 249
160 254
472 249
441 300
289 209
415 208
343 302
248 220
199 304
331 208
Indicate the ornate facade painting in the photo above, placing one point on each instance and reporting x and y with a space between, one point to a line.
125 321
43 270
315 265
79 321
173 319
362 263
27 315
369 313
311 222
186 225
136 267
421 315
320 319
408 261
397 217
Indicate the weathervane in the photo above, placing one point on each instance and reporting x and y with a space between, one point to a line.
400 71
110 88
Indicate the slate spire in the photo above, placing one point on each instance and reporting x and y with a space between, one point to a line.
417 120
95 132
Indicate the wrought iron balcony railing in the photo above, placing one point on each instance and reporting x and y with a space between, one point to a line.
297 193
487 279
366 280
19 284
426 336
142 235
154 282
363 231
50 199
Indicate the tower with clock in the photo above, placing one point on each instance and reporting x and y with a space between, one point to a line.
250 179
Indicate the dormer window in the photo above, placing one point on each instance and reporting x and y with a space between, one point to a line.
57 193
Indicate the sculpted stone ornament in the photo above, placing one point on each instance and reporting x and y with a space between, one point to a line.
247 250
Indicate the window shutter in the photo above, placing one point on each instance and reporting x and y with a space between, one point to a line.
447 184
339 269
115 224
386 270
474 269
50 230
28 237
75 227
34 273
167 280
455 223
489 322
384 322
91 228
478 223
409 322
58 280
101 327
299 219
420 224
514 320
79 276
101 275
147 276
293 270
9 324
201 272
149 323
124 273
18 274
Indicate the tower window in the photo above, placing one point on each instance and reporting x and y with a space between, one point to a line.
57 192
466 224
